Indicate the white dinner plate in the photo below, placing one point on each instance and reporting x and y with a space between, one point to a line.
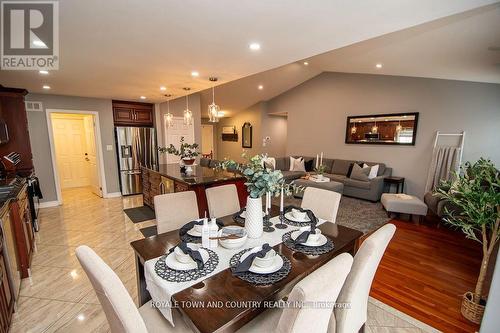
290 217
274 267
172 262
320 242
244 214
194 233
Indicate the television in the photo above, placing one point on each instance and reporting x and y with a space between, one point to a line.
4 132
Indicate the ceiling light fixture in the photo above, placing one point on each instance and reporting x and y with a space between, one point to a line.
399 127
46 87
143 97
375 128
169 118
188 115
254 46
213 109
260 87
378 65
353 129
195 74
163 88
43 72
306 63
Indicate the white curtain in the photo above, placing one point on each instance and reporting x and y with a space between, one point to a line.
443 164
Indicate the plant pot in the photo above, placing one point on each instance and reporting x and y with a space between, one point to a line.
253 219
188 161
472 311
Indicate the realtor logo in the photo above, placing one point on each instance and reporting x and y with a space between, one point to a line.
30 35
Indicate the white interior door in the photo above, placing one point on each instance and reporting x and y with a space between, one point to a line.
207 139
174 134
91 154
70 146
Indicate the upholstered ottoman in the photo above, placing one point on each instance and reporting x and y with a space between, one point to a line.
330 186
403 203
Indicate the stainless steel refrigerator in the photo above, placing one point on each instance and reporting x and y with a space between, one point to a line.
136 147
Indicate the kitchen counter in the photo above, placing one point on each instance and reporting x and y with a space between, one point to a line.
9 189
168 178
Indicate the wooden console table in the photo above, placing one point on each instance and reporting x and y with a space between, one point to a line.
167 178
398 181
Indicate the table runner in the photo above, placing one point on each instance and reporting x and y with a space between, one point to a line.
161 291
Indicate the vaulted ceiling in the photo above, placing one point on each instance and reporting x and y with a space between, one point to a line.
125 48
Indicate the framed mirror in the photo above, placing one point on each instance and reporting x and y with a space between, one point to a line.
386 129
246 135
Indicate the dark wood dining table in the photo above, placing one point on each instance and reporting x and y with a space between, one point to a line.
226 289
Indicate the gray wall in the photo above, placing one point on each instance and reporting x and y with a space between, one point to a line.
317 111
177 107
39 138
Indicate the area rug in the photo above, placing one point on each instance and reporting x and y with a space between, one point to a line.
140 214
149 231
362 215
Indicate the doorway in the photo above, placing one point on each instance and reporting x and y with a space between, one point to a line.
207 141
76 155
174 133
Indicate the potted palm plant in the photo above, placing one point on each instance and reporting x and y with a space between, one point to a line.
475 198
187 152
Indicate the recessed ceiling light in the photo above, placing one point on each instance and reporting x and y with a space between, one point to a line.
260 87
306 63
195 74
378 65
44 72
163 88
46 87
80 317
254 46
143 97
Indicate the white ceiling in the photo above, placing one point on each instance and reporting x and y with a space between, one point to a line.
127 48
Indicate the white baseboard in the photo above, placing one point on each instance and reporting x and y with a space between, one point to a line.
49 204
113 195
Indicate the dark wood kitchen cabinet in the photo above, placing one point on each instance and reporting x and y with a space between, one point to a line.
133 114
6 297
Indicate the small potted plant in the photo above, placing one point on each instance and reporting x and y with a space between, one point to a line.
475 200
320 171
187 152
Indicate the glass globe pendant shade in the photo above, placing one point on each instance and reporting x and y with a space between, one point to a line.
213 113
353 130
169 119
188 117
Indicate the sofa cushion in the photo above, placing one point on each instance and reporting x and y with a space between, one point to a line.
281 163
381 167
336 178
360 173
328 163
291 175
357 183
341 167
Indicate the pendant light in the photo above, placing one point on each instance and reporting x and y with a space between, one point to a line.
375 128
188 115
399 127
169 118
353 129
213 109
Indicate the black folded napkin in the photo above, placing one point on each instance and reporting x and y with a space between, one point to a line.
190 225
195 255
309 212
302 238
243 266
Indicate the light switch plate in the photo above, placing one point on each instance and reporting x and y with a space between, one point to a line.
109 147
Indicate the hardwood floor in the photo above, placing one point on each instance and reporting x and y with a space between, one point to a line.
424 272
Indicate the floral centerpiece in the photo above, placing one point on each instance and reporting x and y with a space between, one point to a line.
187 152
259 181
320 171
475 199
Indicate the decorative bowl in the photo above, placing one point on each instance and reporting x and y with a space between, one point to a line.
233 243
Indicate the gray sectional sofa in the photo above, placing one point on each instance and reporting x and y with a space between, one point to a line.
337 170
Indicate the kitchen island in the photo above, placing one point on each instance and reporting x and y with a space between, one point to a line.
168 178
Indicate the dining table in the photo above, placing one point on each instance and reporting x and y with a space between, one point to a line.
240 301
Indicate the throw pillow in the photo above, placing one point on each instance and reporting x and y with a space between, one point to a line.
292 161
350 168
309 165
269 163
373 170
359 173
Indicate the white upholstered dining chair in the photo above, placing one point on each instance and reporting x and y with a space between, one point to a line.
173 210
118 306
358 283
323 203
222 200
322 285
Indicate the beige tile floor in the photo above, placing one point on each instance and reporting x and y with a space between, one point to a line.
58 297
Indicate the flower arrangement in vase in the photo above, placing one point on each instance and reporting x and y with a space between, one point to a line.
320 171
187 152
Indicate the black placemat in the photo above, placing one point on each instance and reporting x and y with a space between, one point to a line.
173 275
261 279
310 250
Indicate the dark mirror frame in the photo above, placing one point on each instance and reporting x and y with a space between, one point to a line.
246 129
347 130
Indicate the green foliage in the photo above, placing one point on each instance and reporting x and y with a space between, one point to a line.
476 195
260 179
320 169
186 150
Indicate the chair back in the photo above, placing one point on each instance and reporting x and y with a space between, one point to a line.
173 210
322 285
120 310
222 200
323 203
357 286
